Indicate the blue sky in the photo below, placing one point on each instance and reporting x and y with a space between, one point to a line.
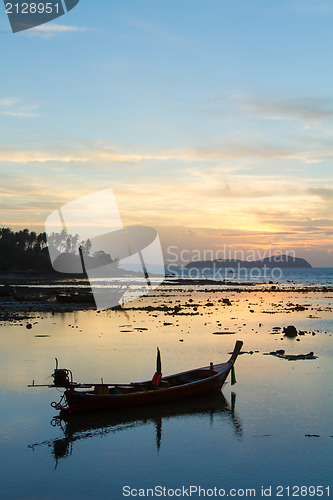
211 120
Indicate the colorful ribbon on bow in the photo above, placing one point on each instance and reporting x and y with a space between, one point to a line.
233 374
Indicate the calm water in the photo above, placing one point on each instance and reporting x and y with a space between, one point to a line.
253 436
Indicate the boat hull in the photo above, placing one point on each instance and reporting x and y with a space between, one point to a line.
78 401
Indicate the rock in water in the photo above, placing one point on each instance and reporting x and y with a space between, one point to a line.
290 331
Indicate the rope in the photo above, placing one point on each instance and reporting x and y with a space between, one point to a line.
59 406
57 422
233 374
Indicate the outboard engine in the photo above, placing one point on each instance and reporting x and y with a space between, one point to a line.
61 376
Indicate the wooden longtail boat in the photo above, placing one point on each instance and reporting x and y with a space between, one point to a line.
193 383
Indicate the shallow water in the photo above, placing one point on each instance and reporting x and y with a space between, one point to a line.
255 436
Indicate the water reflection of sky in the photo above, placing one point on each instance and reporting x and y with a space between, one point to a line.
263 441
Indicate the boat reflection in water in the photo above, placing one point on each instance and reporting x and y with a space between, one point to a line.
89 425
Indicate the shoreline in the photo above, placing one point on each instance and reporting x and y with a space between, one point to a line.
42 299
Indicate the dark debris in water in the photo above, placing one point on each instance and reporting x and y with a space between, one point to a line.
245 352
224 332
280 353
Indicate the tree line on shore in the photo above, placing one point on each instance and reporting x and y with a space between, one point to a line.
26 250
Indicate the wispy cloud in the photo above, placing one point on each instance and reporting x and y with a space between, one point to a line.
310 7
73 156
322 192
51 29
12 106
155 31
8 101
263 151
20 114
229 151
310 111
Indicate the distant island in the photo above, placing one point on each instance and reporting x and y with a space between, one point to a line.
281 261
